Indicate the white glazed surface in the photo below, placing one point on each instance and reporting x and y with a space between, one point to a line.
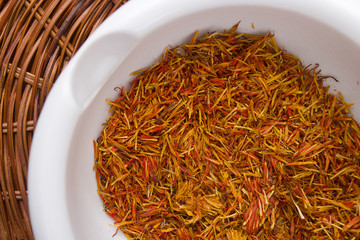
63 198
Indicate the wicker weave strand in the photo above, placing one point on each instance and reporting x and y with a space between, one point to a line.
37 39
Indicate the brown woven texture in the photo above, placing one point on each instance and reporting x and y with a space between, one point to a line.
37 39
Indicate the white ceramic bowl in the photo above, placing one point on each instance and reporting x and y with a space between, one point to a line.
64 203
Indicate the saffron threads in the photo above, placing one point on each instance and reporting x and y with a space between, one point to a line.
230 137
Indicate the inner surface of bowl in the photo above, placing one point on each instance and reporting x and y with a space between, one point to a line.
311 39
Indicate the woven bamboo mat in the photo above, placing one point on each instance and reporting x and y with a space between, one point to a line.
37 39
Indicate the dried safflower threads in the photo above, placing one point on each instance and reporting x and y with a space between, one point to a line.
230 137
